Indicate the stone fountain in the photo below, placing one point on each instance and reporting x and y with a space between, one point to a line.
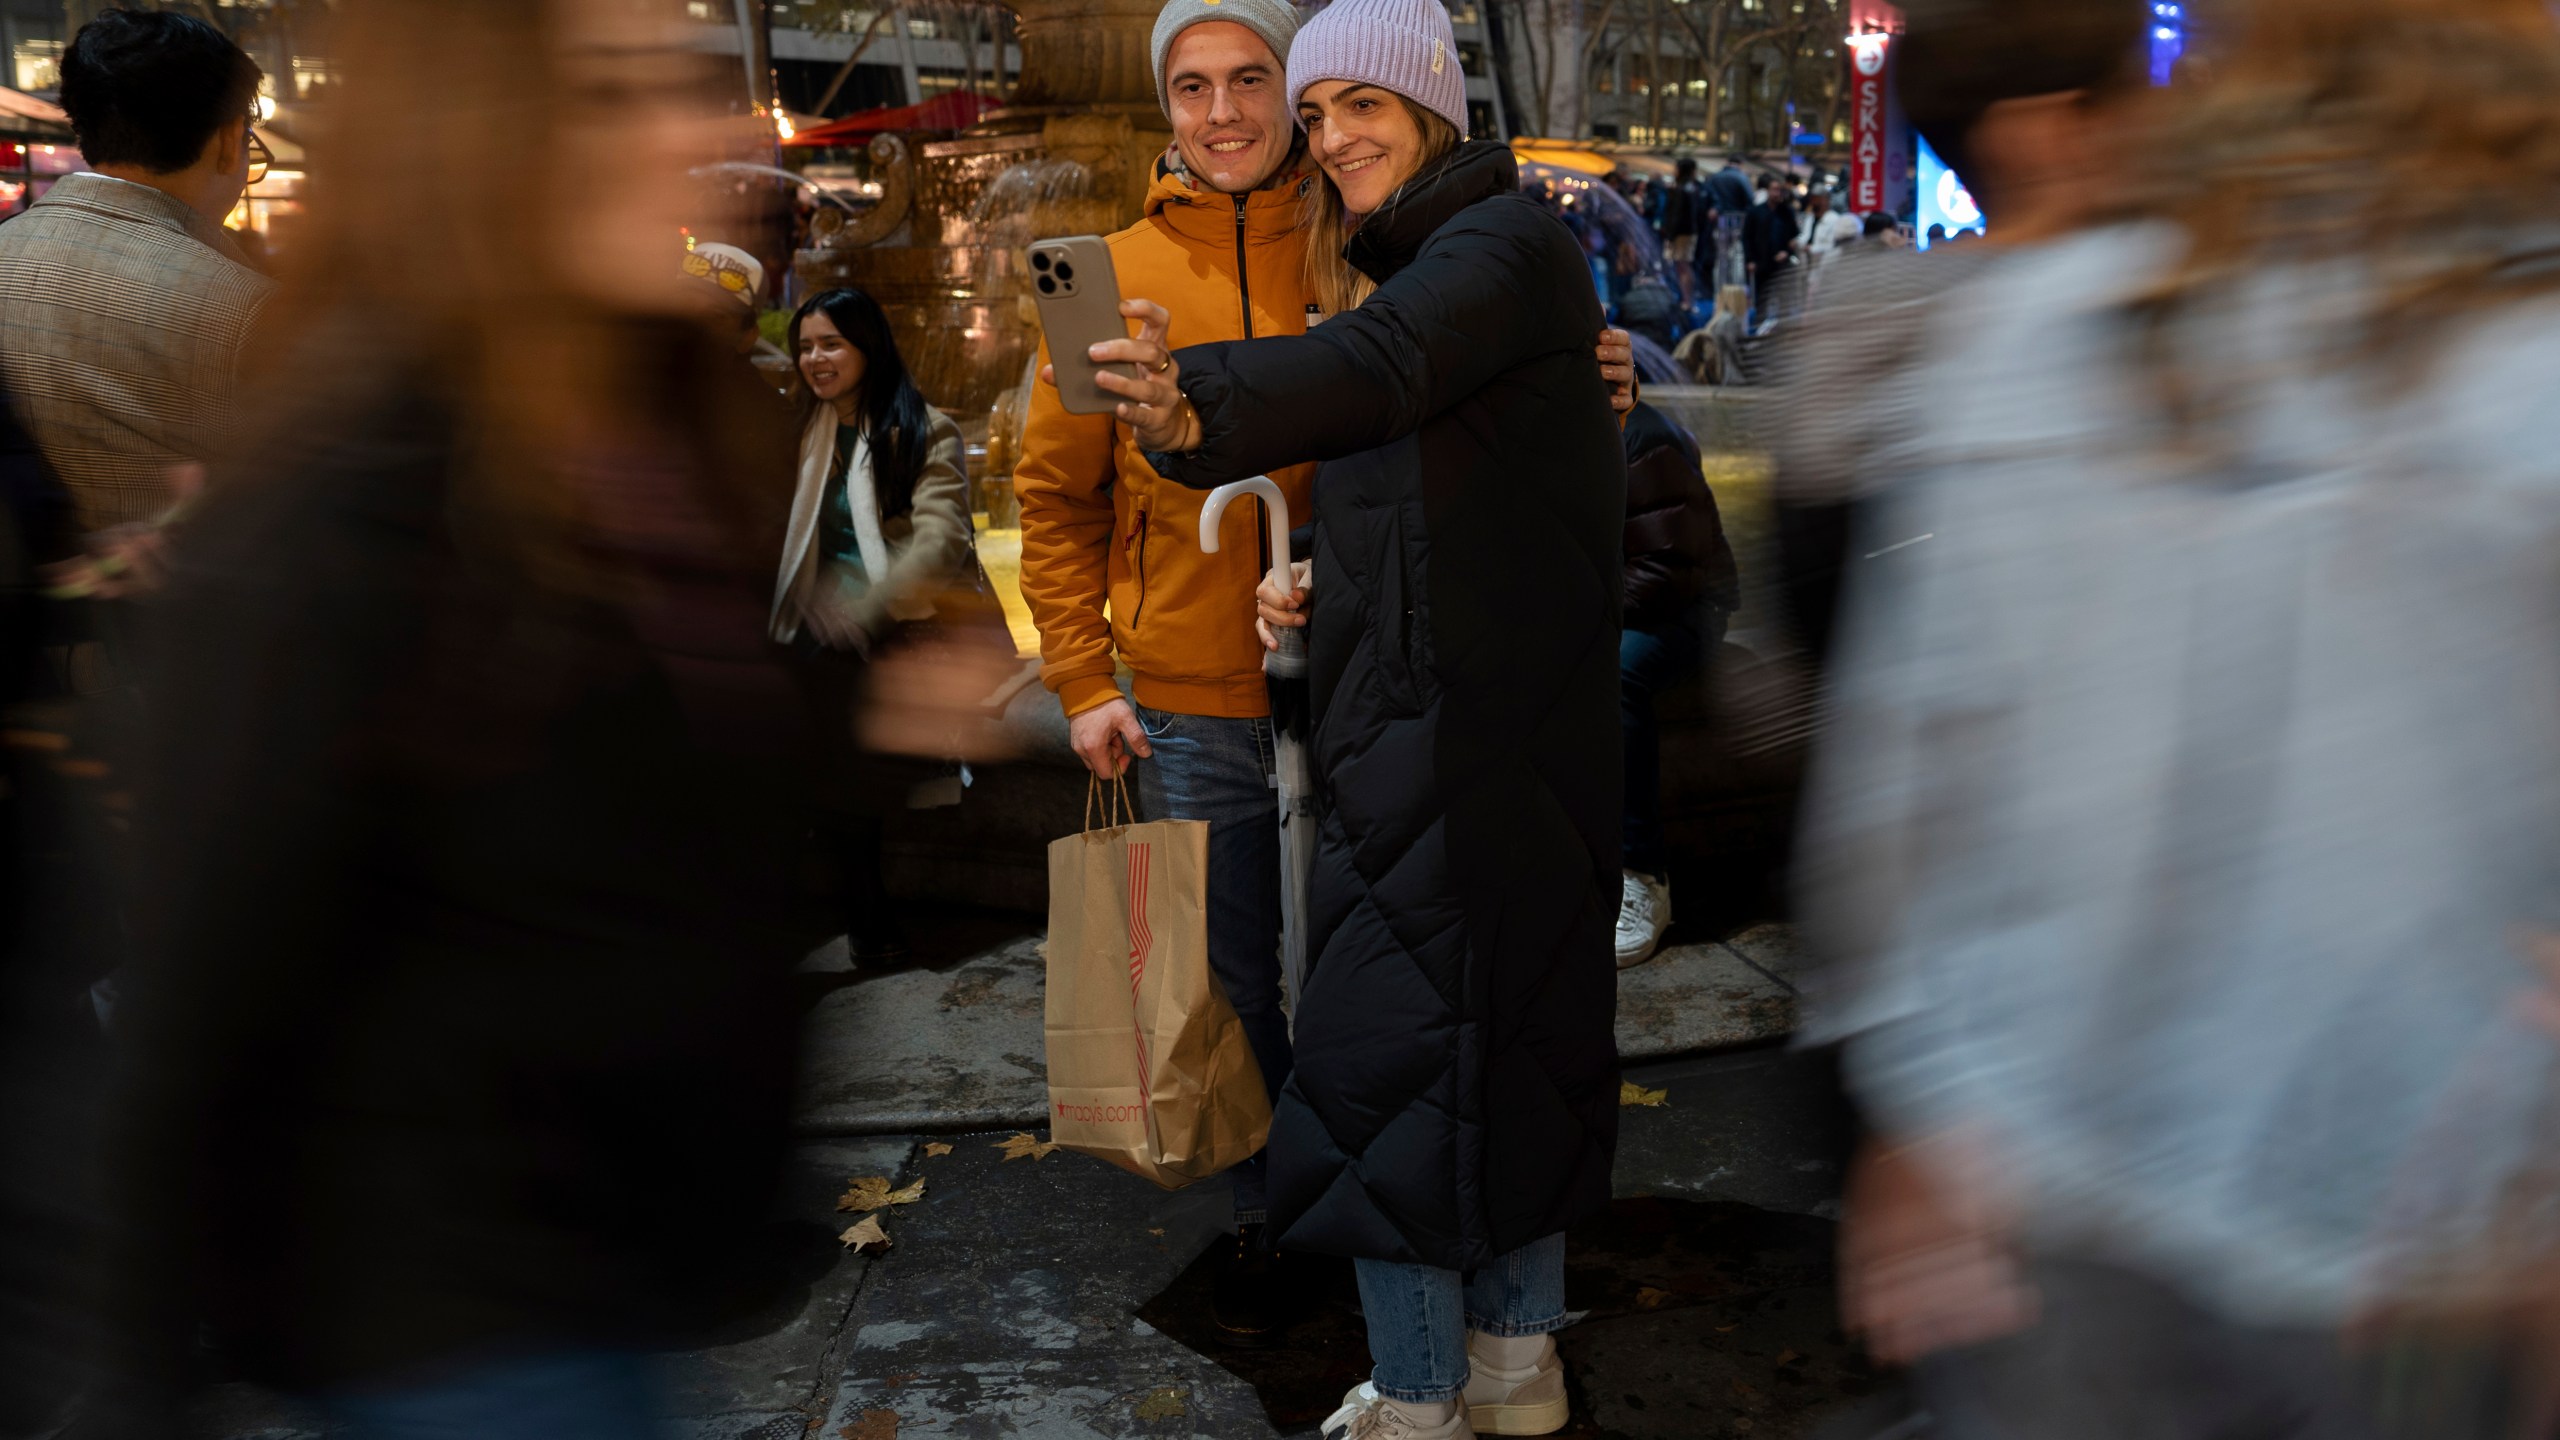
943 249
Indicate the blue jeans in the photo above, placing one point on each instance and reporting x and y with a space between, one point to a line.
1209 768
1650 662
1419 1316
555 1395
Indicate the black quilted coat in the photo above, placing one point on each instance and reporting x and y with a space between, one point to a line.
1456 1087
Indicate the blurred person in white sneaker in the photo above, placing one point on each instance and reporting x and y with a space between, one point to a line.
1680 587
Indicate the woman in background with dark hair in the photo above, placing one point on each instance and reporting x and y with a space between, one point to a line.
881 517
879 525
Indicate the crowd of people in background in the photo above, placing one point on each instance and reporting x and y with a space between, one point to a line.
1722 255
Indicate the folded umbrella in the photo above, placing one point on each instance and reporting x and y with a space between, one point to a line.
1285 671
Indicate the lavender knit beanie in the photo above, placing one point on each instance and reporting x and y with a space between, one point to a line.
1401 45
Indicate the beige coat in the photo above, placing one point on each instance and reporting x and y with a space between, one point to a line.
909 557
122 314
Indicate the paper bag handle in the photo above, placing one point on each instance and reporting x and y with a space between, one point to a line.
1116 809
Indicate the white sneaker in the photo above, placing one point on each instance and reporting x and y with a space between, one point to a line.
1368 1415
1644 912
1529 1401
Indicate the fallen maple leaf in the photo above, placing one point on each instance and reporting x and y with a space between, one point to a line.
1022 1145
935 1147
1648 1298
1631 1093
1163 1403
872 1425
866 1234
872 1192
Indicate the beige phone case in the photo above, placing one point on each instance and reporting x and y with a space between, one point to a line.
1079 300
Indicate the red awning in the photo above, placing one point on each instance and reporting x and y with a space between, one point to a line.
951 110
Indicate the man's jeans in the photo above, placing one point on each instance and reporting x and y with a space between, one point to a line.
1209 768
1649 663
1419 1315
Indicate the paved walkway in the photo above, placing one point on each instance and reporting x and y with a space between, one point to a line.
956 1045
1060 1298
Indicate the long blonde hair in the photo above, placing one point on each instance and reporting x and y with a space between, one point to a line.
1333 282
2422 135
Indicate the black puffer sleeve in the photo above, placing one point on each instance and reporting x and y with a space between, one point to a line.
1482 298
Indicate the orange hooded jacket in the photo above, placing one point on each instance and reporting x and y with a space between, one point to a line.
1099 525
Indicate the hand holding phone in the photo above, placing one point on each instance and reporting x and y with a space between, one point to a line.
1079 298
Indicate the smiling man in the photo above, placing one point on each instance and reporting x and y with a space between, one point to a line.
1111 557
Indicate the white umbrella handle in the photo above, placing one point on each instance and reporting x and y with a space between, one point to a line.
1290 660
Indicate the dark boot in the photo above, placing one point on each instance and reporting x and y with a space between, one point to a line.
1253 1299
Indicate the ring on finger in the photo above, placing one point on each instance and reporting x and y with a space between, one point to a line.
1164 364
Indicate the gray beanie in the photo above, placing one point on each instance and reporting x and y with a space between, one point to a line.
1276 21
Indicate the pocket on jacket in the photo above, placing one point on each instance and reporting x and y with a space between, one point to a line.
1403 621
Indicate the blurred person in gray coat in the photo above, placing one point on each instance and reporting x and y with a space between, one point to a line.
2188 809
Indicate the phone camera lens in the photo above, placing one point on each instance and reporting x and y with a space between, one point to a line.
1039 259
1066 271
1048 286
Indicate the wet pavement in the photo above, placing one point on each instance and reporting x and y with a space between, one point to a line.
1060 1297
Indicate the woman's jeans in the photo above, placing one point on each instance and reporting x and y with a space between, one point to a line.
1221 770
1650 661
1419 1316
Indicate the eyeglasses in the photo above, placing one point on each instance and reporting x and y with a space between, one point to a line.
260 157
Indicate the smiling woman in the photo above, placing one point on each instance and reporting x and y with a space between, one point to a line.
1369 142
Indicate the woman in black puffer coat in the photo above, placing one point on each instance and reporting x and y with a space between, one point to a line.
1454 1106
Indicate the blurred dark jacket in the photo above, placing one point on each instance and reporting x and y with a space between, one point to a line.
471 833
1677 558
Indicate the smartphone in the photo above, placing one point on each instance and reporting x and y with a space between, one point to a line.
1079 300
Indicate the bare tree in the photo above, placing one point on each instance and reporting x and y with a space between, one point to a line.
1557 40
1724 36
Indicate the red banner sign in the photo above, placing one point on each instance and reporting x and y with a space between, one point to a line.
1867 78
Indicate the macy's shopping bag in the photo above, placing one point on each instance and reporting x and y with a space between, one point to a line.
1148 1065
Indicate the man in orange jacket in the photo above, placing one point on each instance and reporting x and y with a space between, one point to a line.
1111 557
1221 246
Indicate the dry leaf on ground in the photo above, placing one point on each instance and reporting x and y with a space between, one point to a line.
872 1425
1026 1145
1631 1093
866 1234
1163 1403
1648 1298
872 1192
935 1147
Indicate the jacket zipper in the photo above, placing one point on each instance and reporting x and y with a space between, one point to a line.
1244 283
1135 615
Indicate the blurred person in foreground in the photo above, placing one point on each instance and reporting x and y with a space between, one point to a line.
460 1072
2189 819
879 526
